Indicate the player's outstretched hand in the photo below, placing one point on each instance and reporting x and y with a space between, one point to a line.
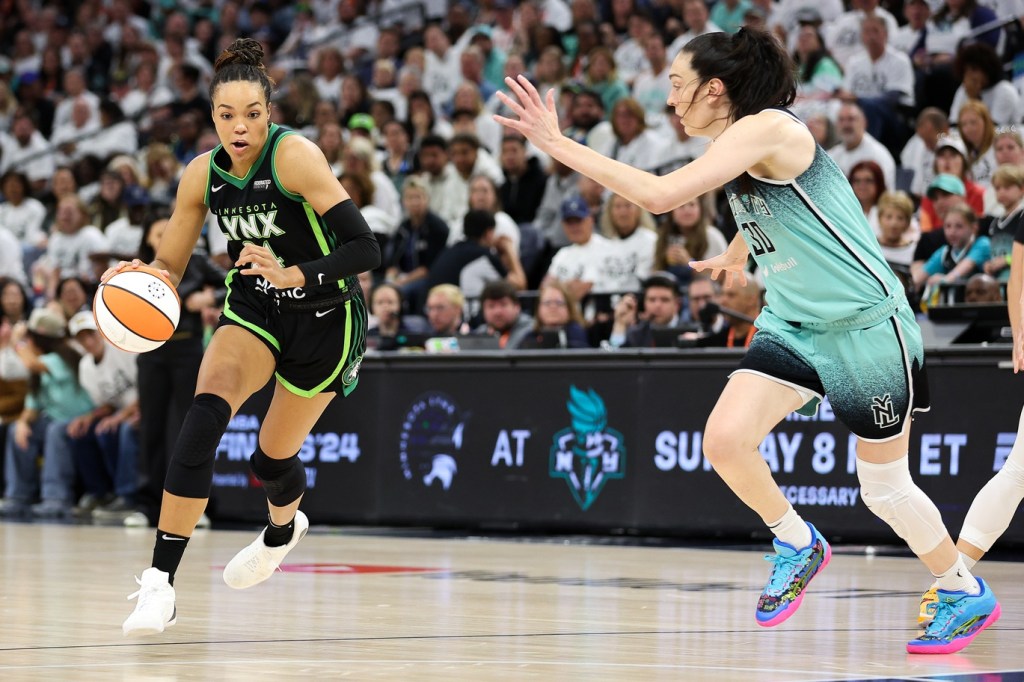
538 119
732 265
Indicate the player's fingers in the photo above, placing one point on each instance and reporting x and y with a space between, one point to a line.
512 104
531 91
515 87
551 99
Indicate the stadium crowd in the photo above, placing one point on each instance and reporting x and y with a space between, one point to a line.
103 102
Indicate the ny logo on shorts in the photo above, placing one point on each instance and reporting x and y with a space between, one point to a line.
884 411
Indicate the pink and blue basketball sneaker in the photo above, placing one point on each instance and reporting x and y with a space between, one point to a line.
959 618
791 574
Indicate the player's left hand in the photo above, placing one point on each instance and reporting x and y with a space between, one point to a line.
538 119
260 261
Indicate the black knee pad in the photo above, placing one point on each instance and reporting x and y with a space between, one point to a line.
283 479
190 471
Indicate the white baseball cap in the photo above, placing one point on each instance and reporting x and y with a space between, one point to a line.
81 321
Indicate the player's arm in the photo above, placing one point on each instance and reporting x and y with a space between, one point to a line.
303 169
186 222
773 144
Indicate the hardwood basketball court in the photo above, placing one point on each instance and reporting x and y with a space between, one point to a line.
361 605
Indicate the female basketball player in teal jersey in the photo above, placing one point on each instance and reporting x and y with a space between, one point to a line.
293 312
836 320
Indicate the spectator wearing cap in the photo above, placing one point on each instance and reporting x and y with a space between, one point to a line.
25 149
918 154
55 397
581 266
105 441
662 304
951 159
856 144
944 192
880 79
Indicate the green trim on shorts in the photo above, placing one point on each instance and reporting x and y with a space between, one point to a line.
245 323
337 370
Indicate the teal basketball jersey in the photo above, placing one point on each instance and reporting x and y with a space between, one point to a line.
259 210
820 259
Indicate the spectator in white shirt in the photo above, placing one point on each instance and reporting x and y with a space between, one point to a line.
631 232
979 69
857 145
72 242
881 80
919 153
20 213
634 144
844 36
448 193
651 85
74 89
580 265
26 150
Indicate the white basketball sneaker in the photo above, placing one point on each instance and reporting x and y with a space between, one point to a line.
155 609
257 562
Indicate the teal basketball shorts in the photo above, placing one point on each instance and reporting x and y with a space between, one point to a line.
874 376
318 345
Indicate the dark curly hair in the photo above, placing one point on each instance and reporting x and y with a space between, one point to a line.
242 60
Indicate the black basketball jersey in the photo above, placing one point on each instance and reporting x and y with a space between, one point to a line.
257 209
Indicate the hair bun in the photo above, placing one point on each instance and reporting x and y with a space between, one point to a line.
244 51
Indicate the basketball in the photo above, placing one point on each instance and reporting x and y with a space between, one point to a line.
137 309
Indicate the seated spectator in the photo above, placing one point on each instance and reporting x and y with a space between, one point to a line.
561 184
558 315
702 298
868 184
1008 182
55 398
503 314
483 196
445 306
105 441
944 192
661 307
918 154
12 261
399 159
947 28
982 288
979 70
419 240
964 253
580 266
845 35
14 309
481 257
72 243
630 231
951 159
896 228
361 190
525 179
635 144
23 215
686 234
818 74
978 134
859 145
386 307
740 307
361 157
72 296
880 79
448 194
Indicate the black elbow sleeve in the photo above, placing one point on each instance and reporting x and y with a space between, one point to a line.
357 250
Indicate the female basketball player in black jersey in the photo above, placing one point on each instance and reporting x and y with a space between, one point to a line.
293 312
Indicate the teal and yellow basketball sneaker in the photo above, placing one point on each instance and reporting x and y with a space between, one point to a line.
791 574
959 618
929 602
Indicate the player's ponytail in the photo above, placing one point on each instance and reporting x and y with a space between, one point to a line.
753 66
242 60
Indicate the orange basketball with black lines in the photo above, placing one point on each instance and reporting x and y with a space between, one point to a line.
137 309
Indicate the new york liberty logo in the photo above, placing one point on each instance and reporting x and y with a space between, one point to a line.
589 454
884 411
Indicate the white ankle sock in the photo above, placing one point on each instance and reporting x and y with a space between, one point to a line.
968 561
958 578
792 530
